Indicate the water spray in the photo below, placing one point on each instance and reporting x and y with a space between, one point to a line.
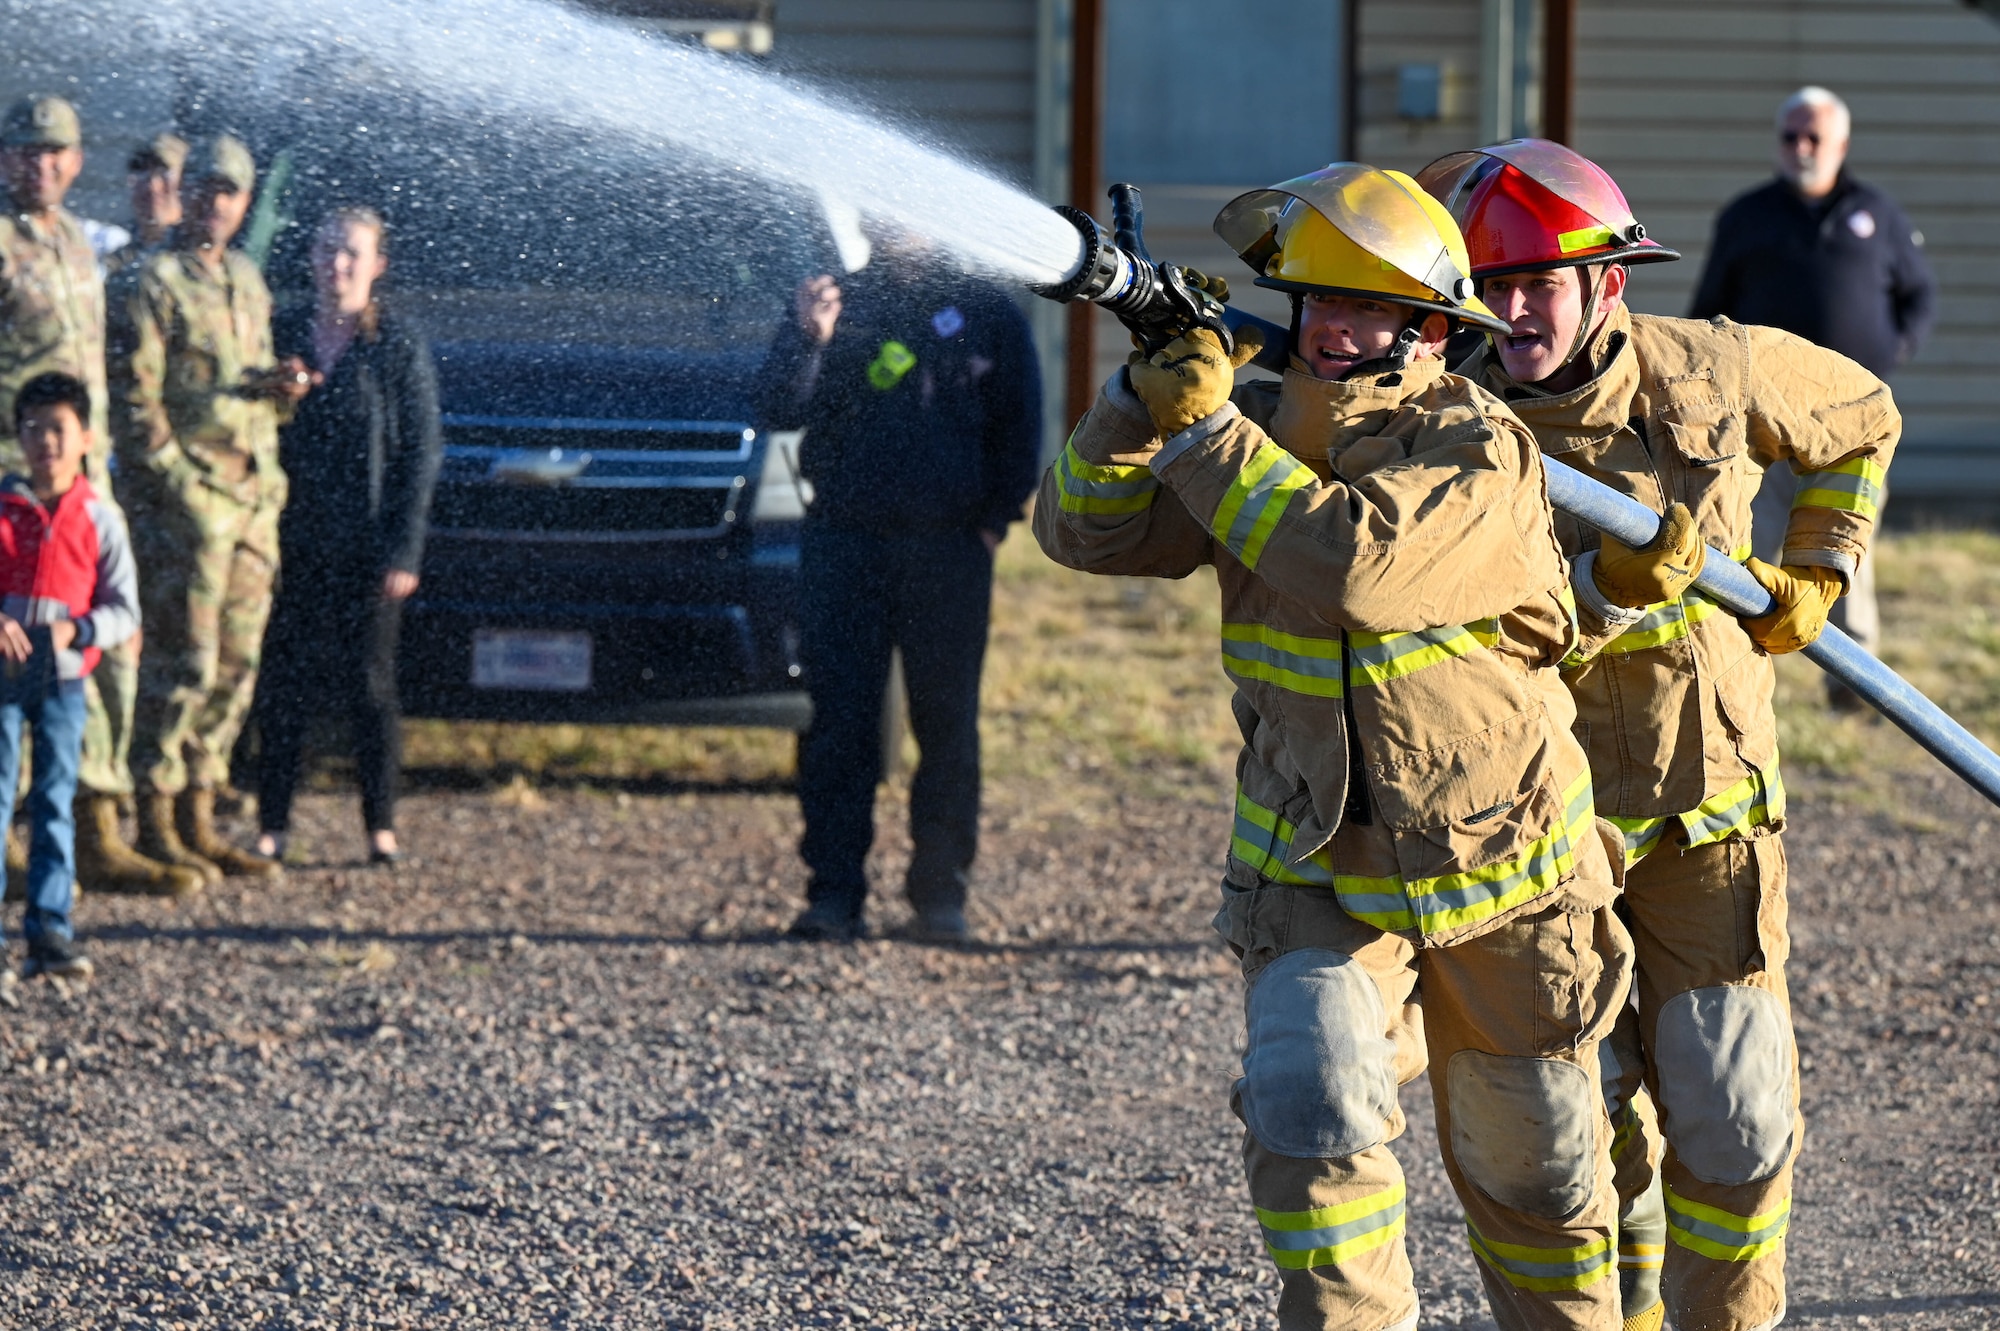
1155 300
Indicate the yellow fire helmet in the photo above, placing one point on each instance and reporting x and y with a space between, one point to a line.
1356 230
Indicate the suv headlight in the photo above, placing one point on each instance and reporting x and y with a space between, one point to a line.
782 493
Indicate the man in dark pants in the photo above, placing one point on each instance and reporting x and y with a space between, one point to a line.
1834 260
919 395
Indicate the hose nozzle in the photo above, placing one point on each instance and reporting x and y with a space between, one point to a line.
1154 300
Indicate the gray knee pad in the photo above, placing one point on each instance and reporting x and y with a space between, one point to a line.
1724 1057
1524 1130
1318 1071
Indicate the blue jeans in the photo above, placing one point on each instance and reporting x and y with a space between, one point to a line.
55 709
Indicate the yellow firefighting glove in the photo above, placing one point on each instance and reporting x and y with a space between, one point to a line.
1658 571
1805 595
1191 377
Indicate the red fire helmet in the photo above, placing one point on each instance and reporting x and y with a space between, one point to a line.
1530 204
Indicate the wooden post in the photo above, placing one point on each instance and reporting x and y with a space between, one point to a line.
1086 116
1350 81
1559 70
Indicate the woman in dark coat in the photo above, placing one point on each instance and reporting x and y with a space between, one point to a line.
362 454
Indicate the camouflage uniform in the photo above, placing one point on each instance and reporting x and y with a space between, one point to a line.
198 471
52 318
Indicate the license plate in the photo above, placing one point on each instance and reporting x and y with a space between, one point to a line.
525 659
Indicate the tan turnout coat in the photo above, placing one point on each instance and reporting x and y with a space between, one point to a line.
1394 607
1675 710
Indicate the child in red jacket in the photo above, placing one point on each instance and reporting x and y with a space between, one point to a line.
68 590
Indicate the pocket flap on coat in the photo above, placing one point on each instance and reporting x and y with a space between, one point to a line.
1475 774
1706 443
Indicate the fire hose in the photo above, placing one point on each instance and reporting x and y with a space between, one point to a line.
1158 303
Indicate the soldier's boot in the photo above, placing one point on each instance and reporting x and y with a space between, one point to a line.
196 808
104 863
159 841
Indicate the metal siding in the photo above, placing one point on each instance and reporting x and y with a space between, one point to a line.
1266 106
962 71
1676 99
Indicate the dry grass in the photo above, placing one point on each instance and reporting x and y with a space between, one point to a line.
1940 594
1104 690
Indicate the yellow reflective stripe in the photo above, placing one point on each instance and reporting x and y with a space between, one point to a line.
1642 835
1753 802
1584 238
1381 657
1256 499
1669 621
1545 1269
1454 900
1723 1236
1310 666
1663 623
1758 800
1263 840
1329 1235
1854 486
1090 487
1621 1136
1641 1256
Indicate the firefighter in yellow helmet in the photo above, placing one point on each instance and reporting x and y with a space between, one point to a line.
1412 812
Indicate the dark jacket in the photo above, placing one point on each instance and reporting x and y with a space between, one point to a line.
1846 272
362 451
923 412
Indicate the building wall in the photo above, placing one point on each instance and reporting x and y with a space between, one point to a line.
1676 98
961 73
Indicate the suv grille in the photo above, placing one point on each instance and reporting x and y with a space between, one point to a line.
520 510
595 436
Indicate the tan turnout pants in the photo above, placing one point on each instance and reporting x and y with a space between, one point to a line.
1718 1117
1339 1014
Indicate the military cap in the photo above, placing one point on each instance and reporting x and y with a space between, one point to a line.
41 122
165 149
223 157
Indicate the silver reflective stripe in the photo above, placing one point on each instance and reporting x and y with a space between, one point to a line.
1243 652
1328 1236
1722 1234
1139 480
1256 499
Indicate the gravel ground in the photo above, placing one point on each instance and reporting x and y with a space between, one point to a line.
559 1071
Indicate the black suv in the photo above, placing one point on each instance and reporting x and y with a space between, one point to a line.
612 540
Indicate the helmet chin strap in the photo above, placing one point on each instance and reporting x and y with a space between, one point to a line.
1592 291
1394 360
1397 357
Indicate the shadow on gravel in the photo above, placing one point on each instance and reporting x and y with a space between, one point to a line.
458 780
1916 1303
278 935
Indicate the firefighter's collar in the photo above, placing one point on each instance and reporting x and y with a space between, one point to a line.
1316 416
1604 401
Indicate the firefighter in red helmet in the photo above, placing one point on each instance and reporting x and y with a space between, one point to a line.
1674 694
